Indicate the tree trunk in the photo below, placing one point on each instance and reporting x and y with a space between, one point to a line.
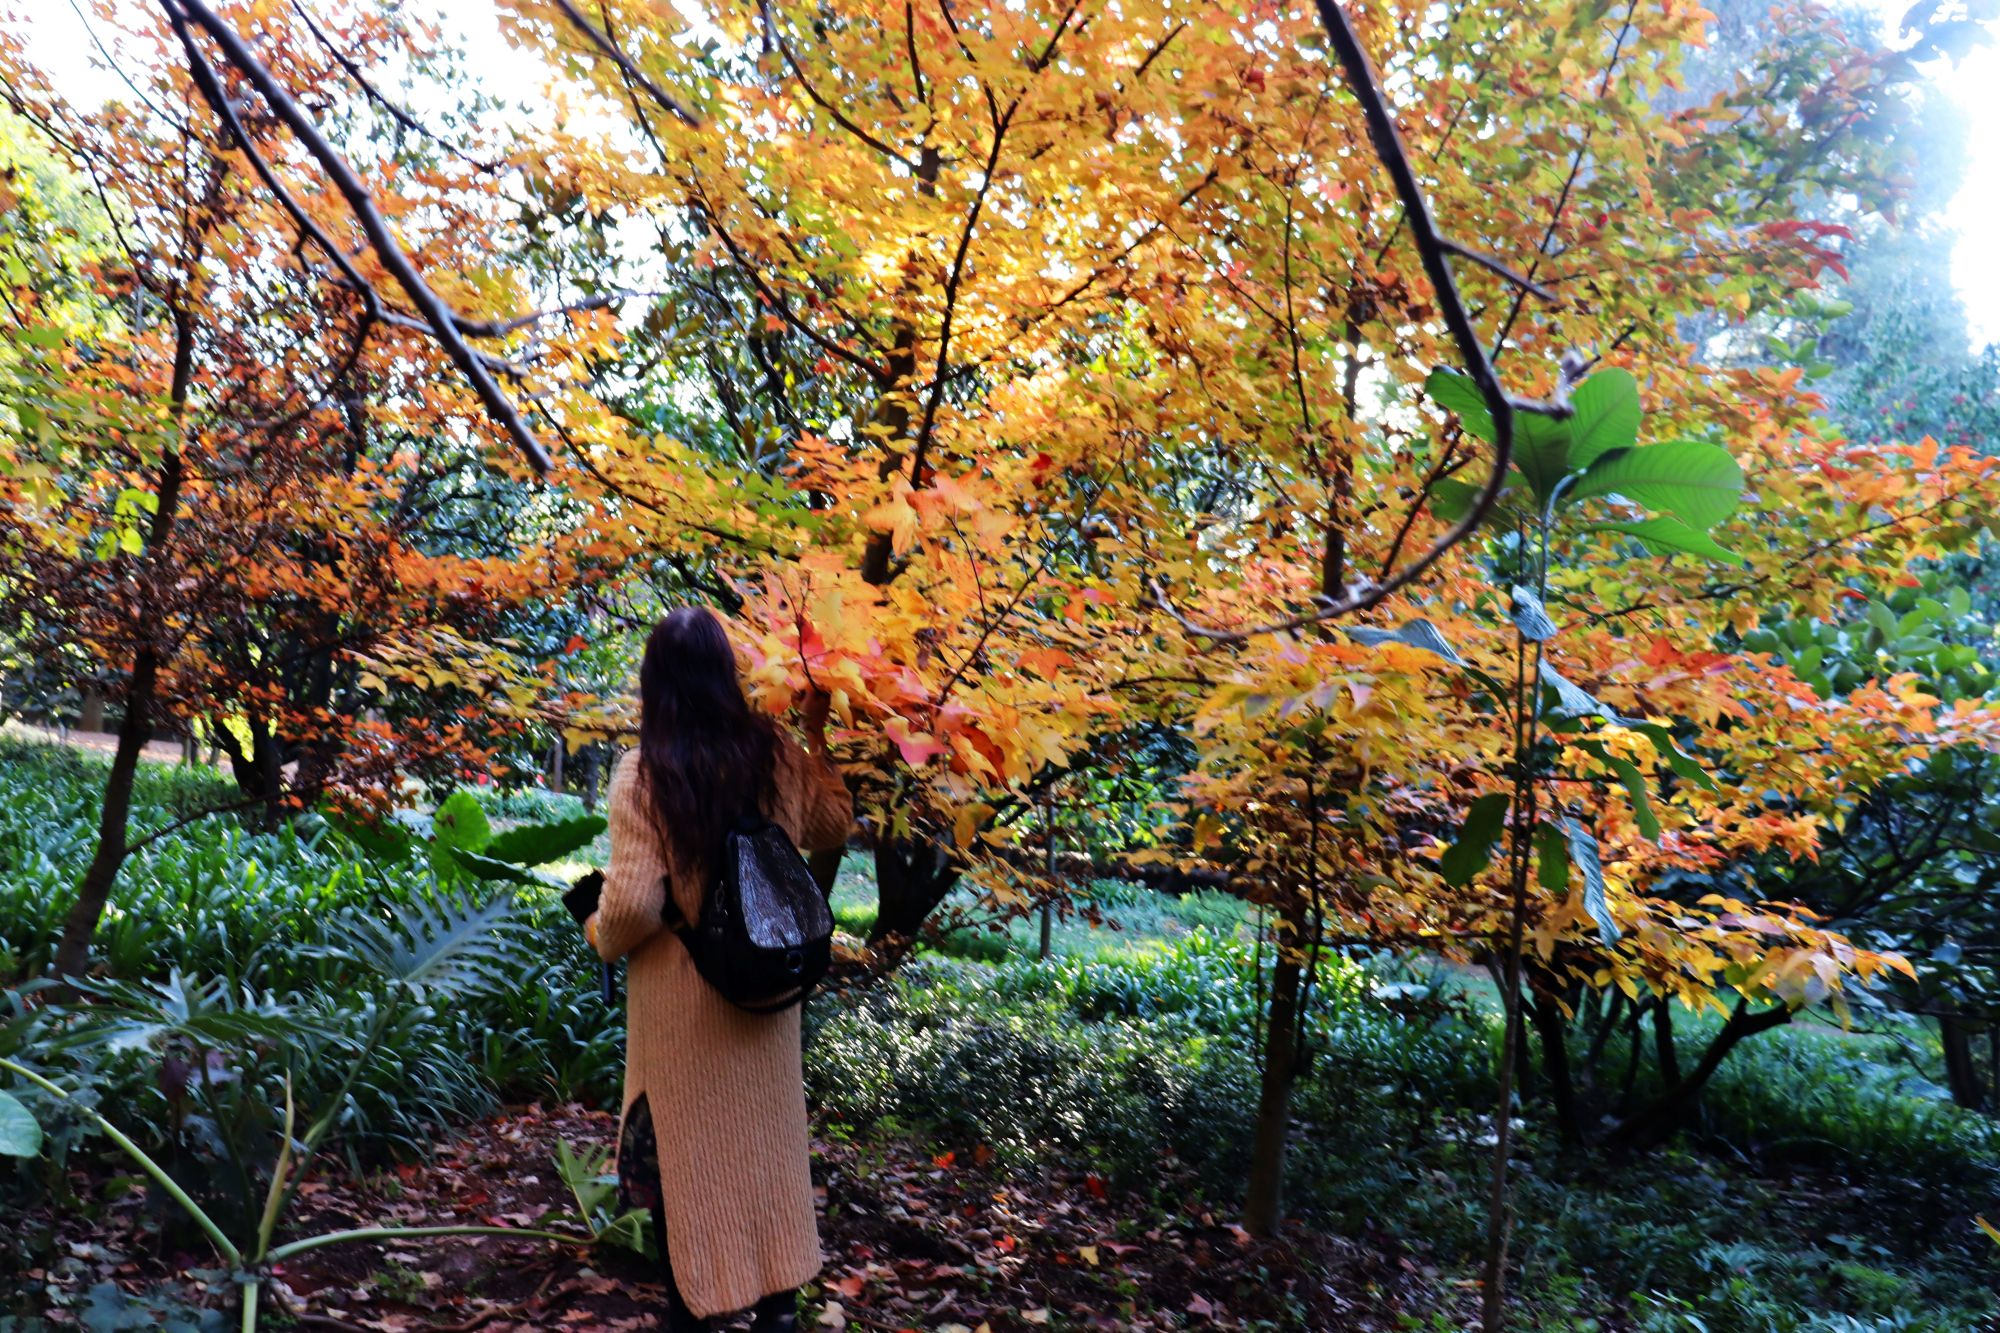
1608 1013
556 754
90 717
1669 1113
258 769
1961 1072
1993 1056
135 728
73 953
893 401
1263 1198
1553 1031
1663 1043
912 876
590 778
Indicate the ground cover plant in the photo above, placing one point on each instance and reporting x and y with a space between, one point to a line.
1107 1093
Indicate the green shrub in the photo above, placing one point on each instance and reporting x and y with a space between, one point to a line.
1128 1064
1817 1097
252 911
538 804
1028 1077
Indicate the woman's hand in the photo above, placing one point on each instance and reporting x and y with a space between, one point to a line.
812 718
590 930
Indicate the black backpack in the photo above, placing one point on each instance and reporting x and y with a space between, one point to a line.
765 936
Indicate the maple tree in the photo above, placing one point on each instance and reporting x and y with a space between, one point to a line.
1330 765
226 496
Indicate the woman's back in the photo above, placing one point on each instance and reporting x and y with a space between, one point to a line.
715 1116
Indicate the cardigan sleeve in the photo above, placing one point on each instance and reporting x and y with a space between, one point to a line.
629 912
818 795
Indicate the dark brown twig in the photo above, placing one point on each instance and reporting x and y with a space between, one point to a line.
673 105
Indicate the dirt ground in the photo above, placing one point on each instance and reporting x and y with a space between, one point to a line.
935 1243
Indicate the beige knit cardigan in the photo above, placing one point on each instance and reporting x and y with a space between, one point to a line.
725 1087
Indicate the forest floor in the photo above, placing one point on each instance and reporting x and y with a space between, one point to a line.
938 1244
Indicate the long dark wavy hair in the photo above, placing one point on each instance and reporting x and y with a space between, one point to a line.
706 753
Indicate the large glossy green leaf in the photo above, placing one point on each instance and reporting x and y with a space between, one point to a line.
1695 481
1451 498
20 1136
1469 854
1541 452
539 844
461 822
1607 417
1667 534
1541 443
487 868
1456 393
459 825
1551 858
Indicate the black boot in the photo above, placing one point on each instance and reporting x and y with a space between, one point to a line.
776 1313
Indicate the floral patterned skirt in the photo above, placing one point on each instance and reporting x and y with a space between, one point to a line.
639 1165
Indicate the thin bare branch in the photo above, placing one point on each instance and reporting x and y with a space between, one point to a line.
1436 253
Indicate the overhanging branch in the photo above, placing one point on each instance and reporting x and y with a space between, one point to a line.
1436 251
438 317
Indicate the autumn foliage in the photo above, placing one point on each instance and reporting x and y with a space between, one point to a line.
1031 379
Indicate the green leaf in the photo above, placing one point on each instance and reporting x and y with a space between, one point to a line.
1451 499
1693 480
447 944
1456 393
1583 851
1551 859
20 1136
1541 442
1882 618
461 822
1636 786
1677 759
1472 851
488 868
539 844
1530 618
1668 535
458 825
1607 417
1541 451
1416 633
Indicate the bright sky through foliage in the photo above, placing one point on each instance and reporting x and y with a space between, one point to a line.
1973 86
60 41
